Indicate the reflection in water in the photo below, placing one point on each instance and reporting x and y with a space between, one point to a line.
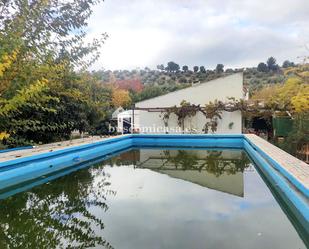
56 215
216 162
150 198
219 170
211 161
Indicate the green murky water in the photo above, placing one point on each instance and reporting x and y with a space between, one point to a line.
150 198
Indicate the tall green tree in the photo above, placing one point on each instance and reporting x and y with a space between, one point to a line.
272 64
160 67
172 66
185 68
287 64
262 67
219 68
43 42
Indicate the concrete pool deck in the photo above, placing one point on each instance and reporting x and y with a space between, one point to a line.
293 166
44 148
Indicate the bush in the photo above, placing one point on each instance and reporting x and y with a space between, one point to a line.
13 142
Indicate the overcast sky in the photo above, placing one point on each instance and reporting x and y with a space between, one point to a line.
237 33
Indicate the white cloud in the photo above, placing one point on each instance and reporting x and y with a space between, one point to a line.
235 33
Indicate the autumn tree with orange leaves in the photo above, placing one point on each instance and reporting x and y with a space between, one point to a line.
134 85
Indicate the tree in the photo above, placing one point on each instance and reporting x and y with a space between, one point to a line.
185 68
120 97
172 66
291 96
298 136
271 64
148 92
160 67
219 68
202 69
287 64
6 61
295 94
265 93
46 28
301 71
195 69
131 84
41 45
262 67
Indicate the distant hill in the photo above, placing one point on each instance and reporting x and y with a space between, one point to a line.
171 78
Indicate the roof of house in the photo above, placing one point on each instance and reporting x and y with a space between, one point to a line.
220 89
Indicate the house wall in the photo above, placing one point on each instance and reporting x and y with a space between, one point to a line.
152 123
218 89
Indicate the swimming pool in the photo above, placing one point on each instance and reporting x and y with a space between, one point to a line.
149 193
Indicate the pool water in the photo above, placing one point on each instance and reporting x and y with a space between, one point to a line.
151 198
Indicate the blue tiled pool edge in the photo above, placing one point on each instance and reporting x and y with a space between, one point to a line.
27 168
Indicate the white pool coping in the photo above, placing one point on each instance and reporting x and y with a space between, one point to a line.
7 156
294 166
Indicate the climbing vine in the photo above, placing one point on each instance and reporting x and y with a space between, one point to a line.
213 111
185 110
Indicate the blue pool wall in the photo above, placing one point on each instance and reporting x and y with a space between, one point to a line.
295 201
24 169
29 168
211 141
277 166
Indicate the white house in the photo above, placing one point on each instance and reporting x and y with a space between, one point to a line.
147 117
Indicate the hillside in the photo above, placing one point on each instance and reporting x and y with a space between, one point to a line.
167 79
